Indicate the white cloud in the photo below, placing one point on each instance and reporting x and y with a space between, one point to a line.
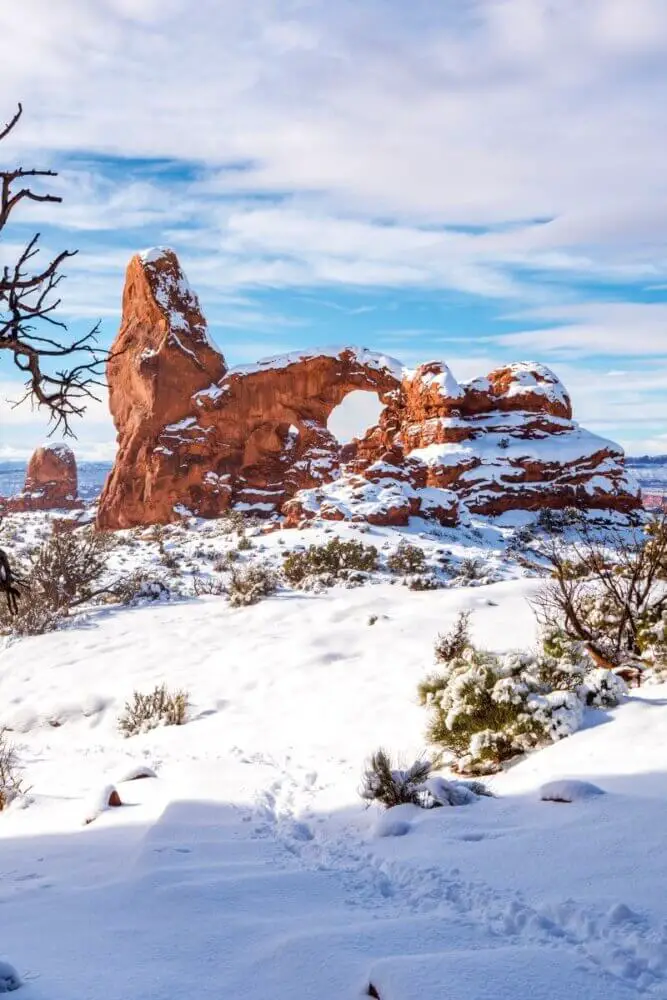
507 149
594 328
23 428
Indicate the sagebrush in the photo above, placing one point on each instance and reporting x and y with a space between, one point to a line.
335 560
250 584
406 559
57 576
11 783
160 707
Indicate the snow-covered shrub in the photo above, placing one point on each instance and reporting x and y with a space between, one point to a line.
652 641
9 978
416 785
11 783
35 616
602 688
521 536
452 643
336 560
607 592
487 708
159 708
565 665
225 562
423 581
554 522
454 793
393 786
250 584
139 587
471 569
207 587
61 573
170 560
66 569
406 559
551 521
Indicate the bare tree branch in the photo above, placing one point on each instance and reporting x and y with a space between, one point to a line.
606 594
28 300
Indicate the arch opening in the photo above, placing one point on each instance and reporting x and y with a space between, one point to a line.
352 417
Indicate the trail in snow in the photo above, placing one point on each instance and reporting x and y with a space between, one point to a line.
618 942
249 868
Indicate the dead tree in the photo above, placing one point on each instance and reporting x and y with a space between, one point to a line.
28 302
29 328
605 594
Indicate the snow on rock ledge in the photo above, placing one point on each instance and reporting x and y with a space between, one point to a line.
197 438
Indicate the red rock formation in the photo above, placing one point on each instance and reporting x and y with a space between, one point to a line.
50 483
195 437
505 442
161 357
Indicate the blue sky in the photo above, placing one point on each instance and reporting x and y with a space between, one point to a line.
473 180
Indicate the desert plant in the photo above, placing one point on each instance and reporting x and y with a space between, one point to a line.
160 707
423 581
335 559
170 560
602 688
207 587
607 595
65 569
225 561
140 586
487 708
244 544
35 616
11 783
406 559
453 643
470 569
250 584
416 785
392 786
551 521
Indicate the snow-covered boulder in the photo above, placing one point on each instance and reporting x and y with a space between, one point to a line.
9 978
569 790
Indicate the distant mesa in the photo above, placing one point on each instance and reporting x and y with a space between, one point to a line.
51 482
196 437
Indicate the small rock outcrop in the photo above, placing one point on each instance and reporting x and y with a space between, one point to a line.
51 482
196 437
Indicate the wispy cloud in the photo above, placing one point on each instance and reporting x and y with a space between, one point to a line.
503 152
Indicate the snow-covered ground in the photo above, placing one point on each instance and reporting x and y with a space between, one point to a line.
249 866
